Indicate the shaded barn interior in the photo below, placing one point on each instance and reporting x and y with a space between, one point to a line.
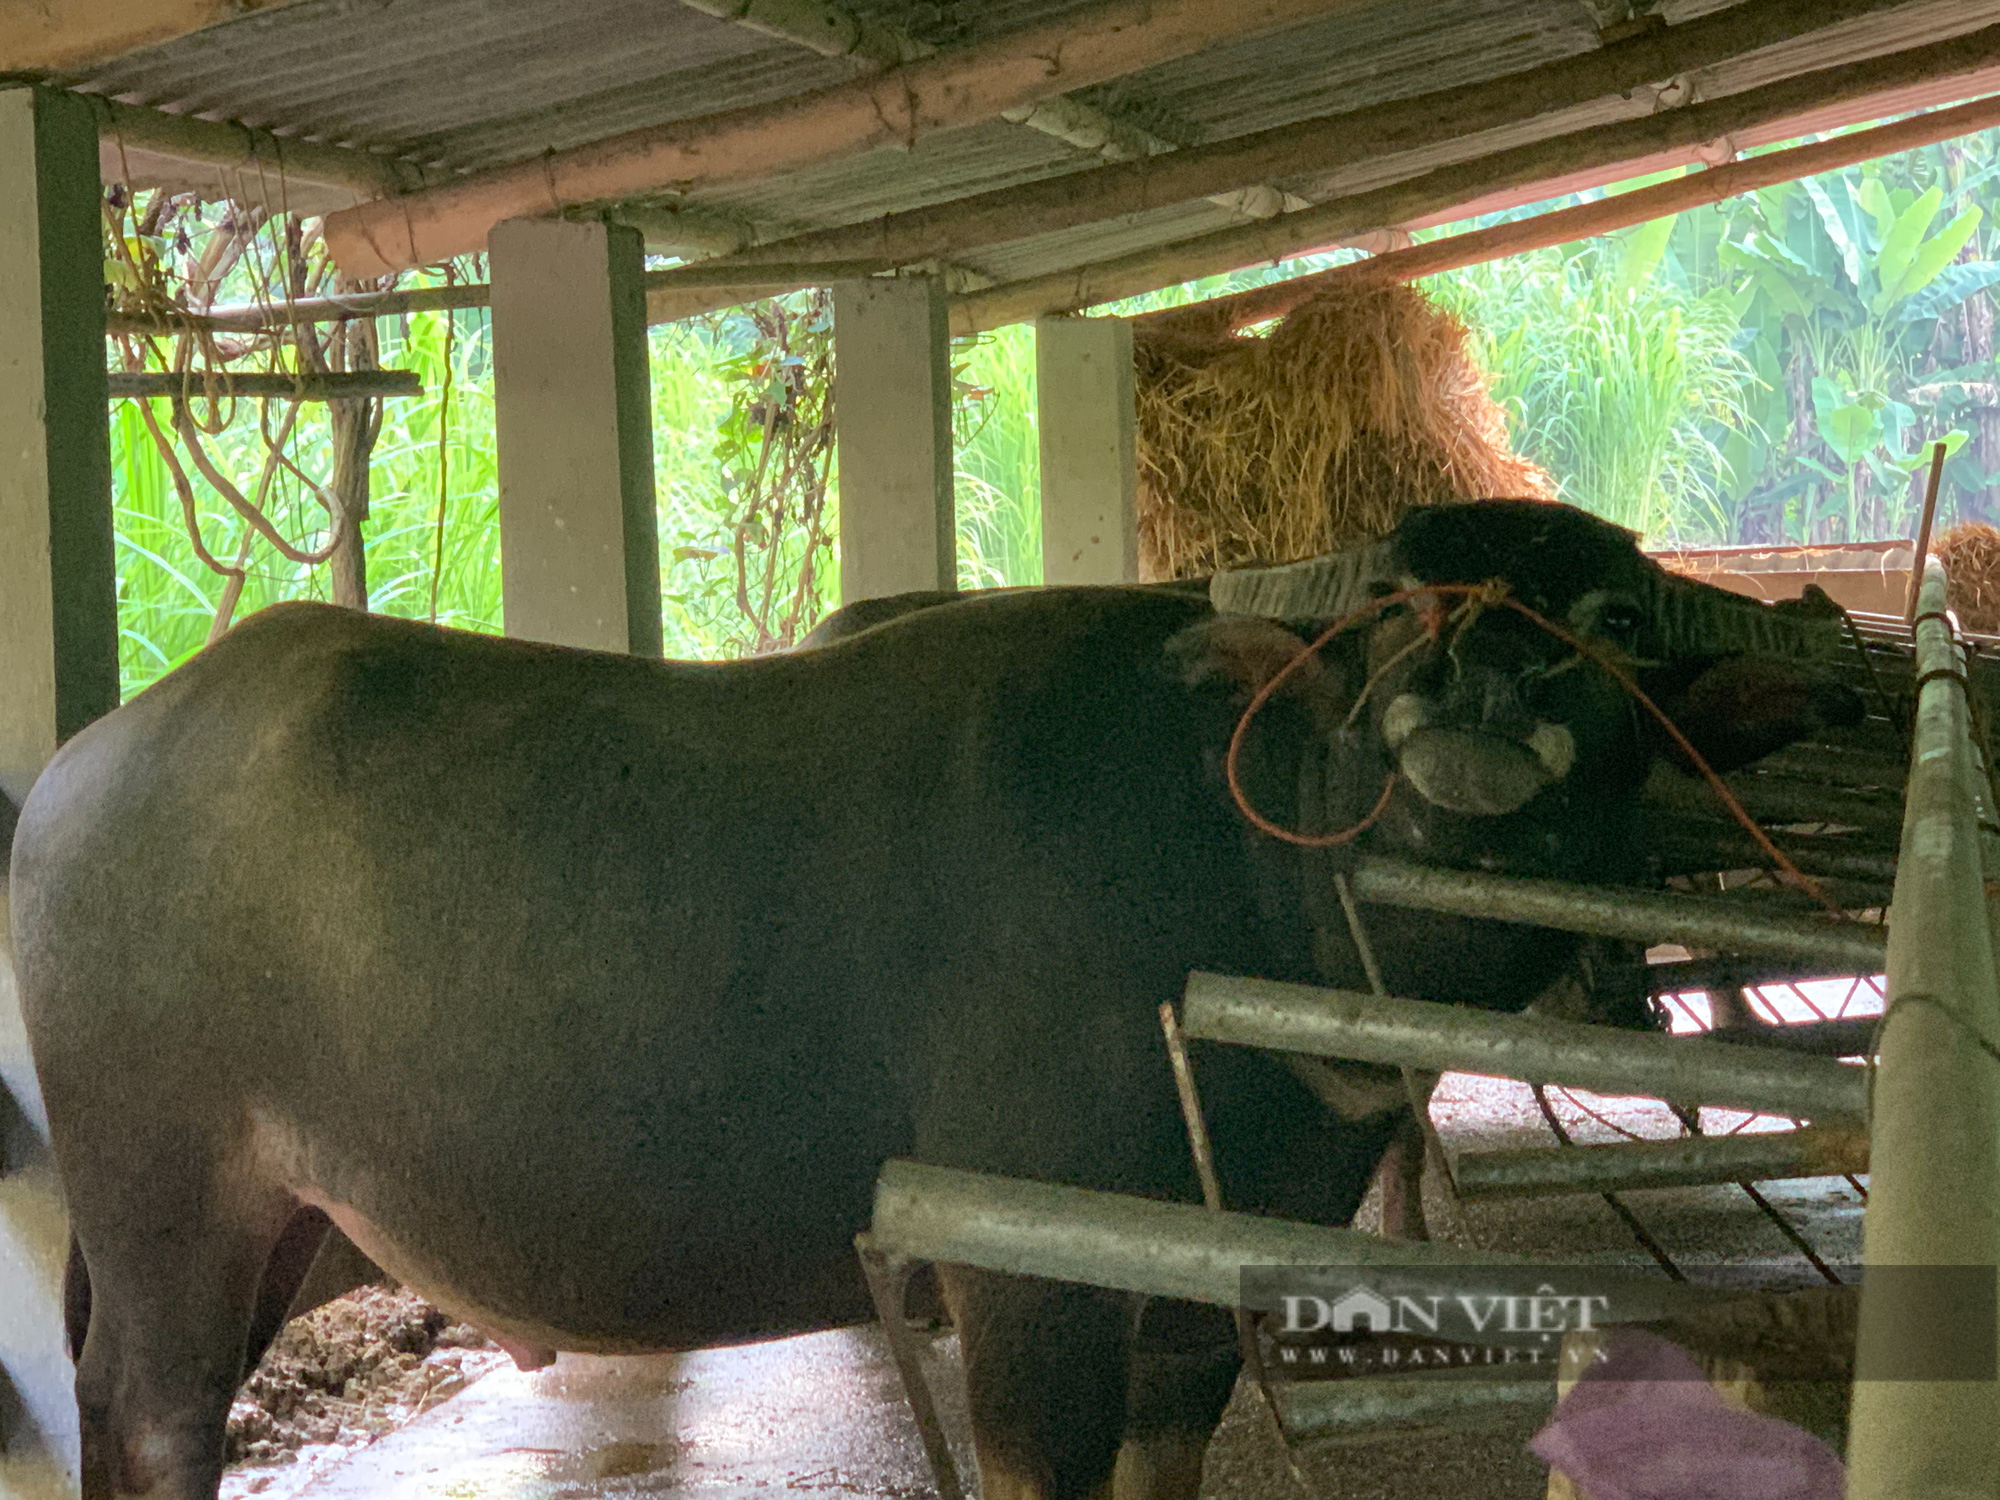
950 168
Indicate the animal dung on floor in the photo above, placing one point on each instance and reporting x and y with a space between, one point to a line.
1355 409
346 1374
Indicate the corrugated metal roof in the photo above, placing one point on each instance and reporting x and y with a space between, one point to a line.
466 84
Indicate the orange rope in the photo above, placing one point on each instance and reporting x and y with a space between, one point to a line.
1491 592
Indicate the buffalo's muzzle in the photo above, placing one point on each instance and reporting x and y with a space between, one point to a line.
1473 770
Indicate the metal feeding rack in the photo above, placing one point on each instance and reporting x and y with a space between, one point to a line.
1921 1113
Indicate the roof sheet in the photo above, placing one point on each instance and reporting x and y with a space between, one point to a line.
467 84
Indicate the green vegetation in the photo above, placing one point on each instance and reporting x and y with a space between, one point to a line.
1771 369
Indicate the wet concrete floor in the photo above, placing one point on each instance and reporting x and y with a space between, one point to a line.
824 1413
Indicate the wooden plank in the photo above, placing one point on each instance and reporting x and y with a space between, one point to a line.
1587 220
898 107
1311 146
225 384
51 36
58 671
1437 192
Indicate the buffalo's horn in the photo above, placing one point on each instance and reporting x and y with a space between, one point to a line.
1692 619
1320 588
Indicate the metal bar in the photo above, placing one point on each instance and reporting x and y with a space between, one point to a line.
1612 1201
1603 1059
1179 1250
888 1279
1614 912
223 384
1324 1408
1935 1187
1690 1161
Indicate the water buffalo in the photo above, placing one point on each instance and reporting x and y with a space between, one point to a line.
587 994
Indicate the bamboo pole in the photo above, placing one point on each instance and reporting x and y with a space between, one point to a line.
1923 551
1317 146
1450 1038
734 283
1590 219
241 148
897 107
1691 1161
223 385
1934 1193
1185 1251
1619 912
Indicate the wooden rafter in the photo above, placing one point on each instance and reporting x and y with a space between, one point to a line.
1316 146
897 107
1434 192
54 36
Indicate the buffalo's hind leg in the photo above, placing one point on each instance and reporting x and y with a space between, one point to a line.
175 1259
1045 1374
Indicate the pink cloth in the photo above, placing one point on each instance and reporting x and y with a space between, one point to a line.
1646 1425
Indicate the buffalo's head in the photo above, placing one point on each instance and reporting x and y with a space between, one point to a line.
1511 746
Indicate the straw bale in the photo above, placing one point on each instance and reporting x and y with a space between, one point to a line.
1970 553
1355 409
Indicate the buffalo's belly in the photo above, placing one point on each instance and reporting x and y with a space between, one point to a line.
565 1245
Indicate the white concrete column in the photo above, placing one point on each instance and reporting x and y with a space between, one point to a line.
58 671
892 420
1086 416
572 408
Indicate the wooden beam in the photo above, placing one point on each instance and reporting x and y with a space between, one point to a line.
1588 220
1313 146
1436 192
898 107
51 36
336 386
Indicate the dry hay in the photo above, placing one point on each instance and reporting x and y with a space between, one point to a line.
1354 410
1970 553
341 1376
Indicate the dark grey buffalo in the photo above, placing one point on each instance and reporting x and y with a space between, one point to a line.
587 994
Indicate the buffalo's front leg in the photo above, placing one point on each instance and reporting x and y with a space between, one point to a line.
1184 1366
1045 1374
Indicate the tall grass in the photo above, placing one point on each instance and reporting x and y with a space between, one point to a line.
1620 389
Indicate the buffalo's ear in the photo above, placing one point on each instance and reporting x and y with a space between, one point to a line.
1244 650
1742 708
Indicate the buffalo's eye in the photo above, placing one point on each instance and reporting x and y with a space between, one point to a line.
1618 621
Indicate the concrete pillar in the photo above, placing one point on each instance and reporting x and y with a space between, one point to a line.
58 671
892 420
1085 412
572 408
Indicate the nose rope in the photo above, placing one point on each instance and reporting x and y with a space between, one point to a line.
1479 596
